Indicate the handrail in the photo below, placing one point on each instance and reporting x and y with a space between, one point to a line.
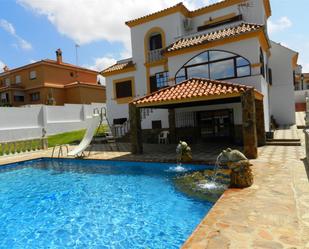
60 149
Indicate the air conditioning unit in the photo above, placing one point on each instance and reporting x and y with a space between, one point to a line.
187 24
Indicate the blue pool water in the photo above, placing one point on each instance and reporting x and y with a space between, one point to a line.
94 204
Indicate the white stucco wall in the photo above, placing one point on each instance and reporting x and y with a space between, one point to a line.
21 123
282 89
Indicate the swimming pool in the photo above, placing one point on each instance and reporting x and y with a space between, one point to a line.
63 203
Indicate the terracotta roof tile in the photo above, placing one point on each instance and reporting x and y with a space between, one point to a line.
119 66
179 5
213 36
182 8
193 88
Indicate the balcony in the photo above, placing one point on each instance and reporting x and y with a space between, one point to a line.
155 55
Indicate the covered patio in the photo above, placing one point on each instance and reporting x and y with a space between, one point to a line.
203 92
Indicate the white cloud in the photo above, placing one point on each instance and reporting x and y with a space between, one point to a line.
24 44
100 64
8 27
100 19
1 66
281 24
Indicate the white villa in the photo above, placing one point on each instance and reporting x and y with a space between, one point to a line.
207 74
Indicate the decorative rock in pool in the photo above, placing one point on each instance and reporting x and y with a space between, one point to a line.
241 173
193 184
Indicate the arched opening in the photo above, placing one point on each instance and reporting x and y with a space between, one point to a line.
216 65
155 41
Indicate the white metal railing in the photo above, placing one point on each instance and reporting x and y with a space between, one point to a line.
155 55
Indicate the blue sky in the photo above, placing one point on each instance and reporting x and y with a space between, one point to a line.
31 30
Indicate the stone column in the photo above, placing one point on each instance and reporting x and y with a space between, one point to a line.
172 125
135 129
260 124
249 124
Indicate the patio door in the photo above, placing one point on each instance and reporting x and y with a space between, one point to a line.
216 124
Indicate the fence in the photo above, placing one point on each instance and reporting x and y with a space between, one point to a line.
30 122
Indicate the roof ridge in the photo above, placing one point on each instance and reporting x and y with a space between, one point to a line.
216 31
180 4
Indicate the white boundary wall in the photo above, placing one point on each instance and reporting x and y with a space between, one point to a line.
21 123
301 95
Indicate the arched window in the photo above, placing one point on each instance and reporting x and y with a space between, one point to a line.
214 64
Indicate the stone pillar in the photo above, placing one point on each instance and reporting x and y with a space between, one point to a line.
260 124
135 129
249 124
172 125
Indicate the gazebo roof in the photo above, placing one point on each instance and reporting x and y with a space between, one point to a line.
192 91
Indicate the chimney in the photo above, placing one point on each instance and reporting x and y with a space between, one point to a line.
6 69
59 56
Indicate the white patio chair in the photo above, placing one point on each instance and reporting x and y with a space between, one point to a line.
163 137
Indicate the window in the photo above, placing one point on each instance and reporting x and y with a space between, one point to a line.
35 96
159 80
119 121
4 97
155 42
156 124
262 62
19 98
214 64
7 81
124 89
17 79
270 76
32 75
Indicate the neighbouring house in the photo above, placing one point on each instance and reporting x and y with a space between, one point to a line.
301 87
51 82
210 74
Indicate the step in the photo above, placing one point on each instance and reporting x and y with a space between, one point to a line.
283 143
283 140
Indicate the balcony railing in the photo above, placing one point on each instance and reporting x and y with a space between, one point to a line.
155 55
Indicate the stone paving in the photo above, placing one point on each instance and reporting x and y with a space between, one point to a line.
300 119
288 132
273 213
